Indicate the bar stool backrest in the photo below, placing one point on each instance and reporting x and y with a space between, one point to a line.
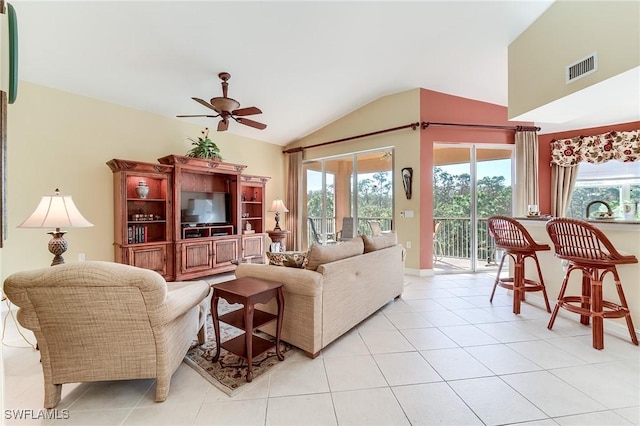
509 234
579 241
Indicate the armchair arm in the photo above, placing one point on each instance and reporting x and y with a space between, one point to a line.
181 296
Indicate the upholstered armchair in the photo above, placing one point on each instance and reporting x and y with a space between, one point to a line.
98 321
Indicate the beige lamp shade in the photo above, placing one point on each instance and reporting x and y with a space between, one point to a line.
278 206
56 211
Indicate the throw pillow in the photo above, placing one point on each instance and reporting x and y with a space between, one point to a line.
384 240
319 254
292 259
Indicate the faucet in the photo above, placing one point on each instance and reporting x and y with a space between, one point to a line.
609 211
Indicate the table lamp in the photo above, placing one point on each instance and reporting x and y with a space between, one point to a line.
56 211
278 207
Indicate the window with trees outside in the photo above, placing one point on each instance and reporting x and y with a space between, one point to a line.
613 182
345 193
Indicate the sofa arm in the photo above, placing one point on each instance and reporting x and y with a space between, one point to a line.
296 280
181 296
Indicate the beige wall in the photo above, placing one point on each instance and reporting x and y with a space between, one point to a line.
386 112
61 140
565 33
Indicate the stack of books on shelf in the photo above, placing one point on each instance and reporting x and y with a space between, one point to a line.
137 234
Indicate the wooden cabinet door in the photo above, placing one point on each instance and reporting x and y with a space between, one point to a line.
196 256
149 257
253 246
224 252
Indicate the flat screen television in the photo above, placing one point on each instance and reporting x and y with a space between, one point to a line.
205 207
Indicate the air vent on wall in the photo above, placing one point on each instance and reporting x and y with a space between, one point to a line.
582 67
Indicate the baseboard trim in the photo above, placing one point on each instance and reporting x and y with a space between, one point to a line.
419 272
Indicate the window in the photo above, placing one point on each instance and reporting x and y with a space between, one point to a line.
612 182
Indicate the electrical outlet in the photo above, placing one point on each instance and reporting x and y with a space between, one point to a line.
81 257
408 244
401 213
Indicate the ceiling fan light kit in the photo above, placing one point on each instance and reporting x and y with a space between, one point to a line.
226 108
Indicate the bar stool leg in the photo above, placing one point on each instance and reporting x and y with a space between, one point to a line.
586 293
597 314
495 284
518 282
623 302
560 302
544 289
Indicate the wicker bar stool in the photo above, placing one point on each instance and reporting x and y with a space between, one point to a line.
587 249
517 243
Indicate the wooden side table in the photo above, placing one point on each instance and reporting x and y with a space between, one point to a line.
247 291
278 237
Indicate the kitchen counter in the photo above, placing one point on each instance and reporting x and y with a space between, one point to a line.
625 236
602 224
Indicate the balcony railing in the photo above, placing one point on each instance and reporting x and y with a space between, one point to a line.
454 238
362 226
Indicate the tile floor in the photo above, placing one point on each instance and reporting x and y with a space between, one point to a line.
441 354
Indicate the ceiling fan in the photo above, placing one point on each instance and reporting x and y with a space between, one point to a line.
227 108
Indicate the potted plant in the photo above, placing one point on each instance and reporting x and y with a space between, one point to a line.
204 147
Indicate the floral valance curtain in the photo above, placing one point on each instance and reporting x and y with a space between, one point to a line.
621 146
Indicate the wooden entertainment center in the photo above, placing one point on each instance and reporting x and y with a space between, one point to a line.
187 217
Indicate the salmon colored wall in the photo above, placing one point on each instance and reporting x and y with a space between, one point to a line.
544 147
441 107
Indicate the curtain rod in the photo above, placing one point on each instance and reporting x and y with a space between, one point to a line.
426 124
413 126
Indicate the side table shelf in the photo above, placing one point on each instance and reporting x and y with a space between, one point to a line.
247 291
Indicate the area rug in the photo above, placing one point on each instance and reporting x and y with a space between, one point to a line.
229 372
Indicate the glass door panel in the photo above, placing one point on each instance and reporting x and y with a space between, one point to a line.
374 191
494 197
343 194
452 207
319 203
471 183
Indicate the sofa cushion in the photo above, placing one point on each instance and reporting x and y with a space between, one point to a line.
319 254
293 259
384 240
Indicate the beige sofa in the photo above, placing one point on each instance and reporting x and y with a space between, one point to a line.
98 321
351 281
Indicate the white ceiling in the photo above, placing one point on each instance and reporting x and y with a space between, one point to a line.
303 63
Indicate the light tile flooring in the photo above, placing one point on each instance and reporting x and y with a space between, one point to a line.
441 354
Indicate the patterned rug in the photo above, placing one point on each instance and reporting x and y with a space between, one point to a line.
229 372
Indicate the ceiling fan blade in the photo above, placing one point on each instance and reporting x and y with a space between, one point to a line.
251 123
223 125
207 104
199 115
247 111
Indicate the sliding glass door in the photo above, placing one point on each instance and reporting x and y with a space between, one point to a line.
344 194
471 183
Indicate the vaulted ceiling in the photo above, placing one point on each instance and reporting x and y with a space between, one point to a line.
304 63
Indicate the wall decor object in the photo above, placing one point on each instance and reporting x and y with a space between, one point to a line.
407 178
9 49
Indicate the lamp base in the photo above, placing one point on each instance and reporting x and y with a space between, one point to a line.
57 246
277 228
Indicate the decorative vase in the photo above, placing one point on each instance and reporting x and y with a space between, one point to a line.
142 189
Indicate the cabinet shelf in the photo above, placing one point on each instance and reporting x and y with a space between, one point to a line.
152 200
137 222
